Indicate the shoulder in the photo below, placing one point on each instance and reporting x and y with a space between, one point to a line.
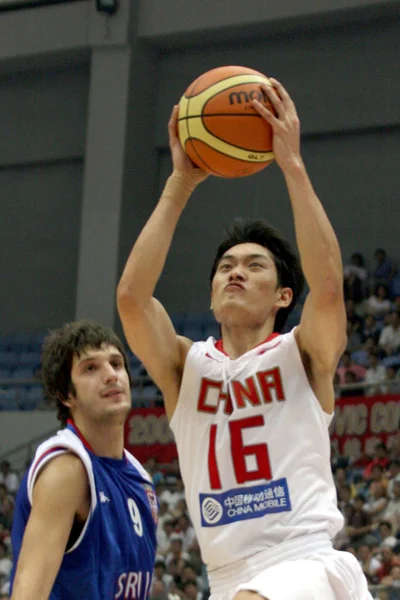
64 470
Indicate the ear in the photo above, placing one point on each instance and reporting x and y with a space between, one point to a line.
211 300
285 297
66 401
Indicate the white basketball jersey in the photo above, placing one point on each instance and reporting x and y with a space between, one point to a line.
254 450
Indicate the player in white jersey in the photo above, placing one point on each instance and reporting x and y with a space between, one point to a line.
251 412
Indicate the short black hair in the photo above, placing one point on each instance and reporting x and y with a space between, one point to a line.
286 260
59 349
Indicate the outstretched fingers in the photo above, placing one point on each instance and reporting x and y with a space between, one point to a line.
284 96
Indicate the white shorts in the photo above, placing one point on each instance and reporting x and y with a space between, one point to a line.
301 569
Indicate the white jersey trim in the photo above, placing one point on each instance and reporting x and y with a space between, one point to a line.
210 348
61 443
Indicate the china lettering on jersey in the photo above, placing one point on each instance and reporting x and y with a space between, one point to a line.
261 452
242 503
256 390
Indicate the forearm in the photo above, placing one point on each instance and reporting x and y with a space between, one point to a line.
317 243
149 253
34 579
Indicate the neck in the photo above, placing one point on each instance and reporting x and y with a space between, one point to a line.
238 340
105 439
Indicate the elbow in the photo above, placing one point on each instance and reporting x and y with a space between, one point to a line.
125 298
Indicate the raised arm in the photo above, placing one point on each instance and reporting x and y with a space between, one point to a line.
60 495
322 332
147 327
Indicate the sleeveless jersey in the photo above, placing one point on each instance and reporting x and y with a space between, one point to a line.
254 450
115 552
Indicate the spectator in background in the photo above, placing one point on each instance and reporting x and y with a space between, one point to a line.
396 299
351 379
186 531
385 535
5 562
378 304
152 467
388 561
384 269
380 457
356 267
344 497
347 364
176 551
369 563
191 590
359 524
180 508
353 288
375 375
189 574
377 502
160 572
392 511
336 386
362 356
164 536
159 592
164 514
389 339
378 475
392 381
393 471
352 315
8 477
175 493
393 582
371 329
354 338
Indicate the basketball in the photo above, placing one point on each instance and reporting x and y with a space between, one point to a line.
219 128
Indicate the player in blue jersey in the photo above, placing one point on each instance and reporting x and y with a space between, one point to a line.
86 512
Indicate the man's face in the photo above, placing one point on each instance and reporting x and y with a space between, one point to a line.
387 554
376 474
101 385
384 531
245 286
364 553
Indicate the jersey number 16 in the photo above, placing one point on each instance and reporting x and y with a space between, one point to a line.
239 453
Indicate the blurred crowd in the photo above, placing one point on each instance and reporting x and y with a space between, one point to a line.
368 491
372 355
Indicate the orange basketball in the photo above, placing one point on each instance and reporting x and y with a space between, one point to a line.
219 128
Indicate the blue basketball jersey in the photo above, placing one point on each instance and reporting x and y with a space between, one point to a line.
114 555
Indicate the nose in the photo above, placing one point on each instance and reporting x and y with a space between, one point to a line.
236 274
110 374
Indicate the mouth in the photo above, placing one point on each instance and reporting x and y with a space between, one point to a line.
113 393
234 286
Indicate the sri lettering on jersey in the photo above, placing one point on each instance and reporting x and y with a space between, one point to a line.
245 503
258 389
133 585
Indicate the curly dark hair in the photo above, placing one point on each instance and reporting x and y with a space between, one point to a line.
60 347
286 260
